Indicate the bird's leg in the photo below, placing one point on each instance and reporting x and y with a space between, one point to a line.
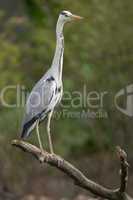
48 132
60 161
38 136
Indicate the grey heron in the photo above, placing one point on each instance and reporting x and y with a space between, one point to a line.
47 92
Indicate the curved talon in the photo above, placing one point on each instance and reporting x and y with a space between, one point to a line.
59 159
41 159
60 162
47 157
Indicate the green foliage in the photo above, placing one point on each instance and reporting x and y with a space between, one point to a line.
35 11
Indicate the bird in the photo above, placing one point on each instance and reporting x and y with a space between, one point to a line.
47 92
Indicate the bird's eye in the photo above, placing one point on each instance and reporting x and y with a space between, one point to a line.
64 13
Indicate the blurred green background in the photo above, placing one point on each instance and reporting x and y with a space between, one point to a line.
98 54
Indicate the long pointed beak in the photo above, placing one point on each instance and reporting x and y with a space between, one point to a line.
76 17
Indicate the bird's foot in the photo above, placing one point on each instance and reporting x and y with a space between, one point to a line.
59 160
54 157
41 157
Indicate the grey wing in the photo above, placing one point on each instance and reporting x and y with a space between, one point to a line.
40 99
60 92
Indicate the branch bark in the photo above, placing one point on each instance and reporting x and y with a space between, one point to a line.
77 176
124 169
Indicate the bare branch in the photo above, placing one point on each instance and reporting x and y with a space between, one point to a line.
124 169
77 176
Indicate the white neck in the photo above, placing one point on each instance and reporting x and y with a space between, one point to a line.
57 63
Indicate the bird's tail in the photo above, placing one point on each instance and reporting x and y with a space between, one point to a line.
28 127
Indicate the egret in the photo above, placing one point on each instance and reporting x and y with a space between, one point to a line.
47 92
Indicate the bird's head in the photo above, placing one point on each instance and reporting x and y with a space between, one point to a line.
66 16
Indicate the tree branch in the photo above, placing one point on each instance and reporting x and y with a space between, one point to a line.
77 176
124 169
